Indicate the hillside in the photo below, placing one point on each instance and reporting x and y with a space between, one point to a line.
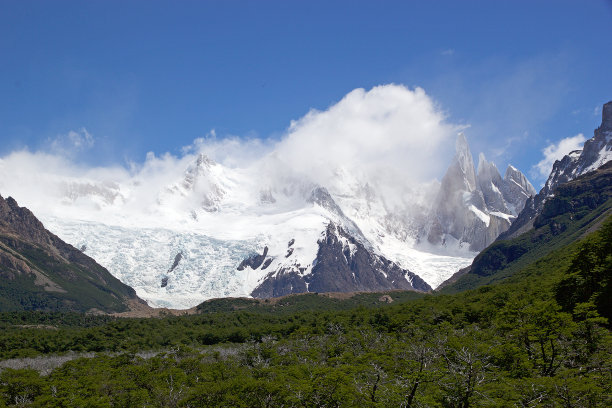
39 271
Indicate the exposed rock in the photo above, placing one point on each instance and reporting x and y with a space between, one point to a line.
253 261
597 151
266 197
321 196
343 264
266 263
385 299
177 260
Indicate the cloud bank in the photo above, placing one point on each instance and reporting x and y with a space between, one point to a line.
387 130
556 151
390 136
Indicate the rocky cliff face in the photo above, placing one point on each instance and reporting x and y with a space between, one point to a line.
40 271
474 208
596 152
343 264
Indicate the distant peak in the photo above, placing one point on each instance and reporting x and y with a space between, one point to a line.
461 145
204 160
483 164
606 117
481 159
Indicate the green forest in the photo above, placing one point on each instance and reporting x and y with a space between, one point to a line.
540 337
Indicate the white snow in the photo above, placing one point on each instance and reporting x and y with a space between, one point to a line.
507 217
483 216
216 217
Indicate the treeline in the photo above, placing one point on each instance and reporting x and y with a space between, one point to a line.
539 339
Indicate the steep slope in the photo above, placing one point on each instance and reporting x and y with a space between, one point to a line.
596 152
573 209
343 264
39 271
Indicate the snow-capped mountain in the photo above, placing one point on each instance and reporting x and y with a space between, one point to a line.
215 231
474 208
596 152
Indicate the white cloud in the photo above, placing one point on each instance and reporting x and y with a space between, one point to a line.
388 129
71 143
390 136
556 151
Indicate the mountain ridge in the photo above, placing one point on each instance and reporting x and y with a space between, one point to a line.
40 271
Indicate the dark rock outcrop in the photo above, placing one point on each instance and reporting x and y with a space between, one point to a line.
343 264
254 261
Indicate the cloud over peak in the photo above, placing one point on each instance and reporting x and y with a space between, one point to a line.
554 152
387 127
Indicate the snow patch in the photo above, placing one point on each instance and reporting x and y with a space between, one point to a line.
483 216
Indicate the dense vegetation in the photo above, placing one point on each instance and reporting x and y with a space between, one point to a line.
522 342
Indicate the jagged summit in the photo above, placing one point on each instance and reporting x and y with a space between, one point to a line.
463 159
596 152
474 210
606 118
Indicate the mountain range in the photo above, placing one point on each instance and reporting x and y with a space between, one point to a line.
192 240
217 231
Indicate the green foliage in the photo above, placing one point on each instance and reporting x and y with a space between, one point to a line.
590 275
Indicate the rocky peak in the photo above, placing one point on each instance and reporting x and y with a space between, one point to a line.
200 166
475 209
597 152
21 221
514 176
463 159
606 118
487 170
490 184
343 264
321 197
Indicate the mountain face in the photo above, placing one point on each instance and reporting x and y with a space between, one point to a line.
596 152
474 208
39 271
342 264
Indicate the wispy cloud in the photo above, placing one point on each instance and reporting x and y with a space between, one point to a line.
554 152
71 143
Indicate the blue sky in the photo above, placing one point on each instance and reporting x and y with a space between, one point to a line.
143 76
